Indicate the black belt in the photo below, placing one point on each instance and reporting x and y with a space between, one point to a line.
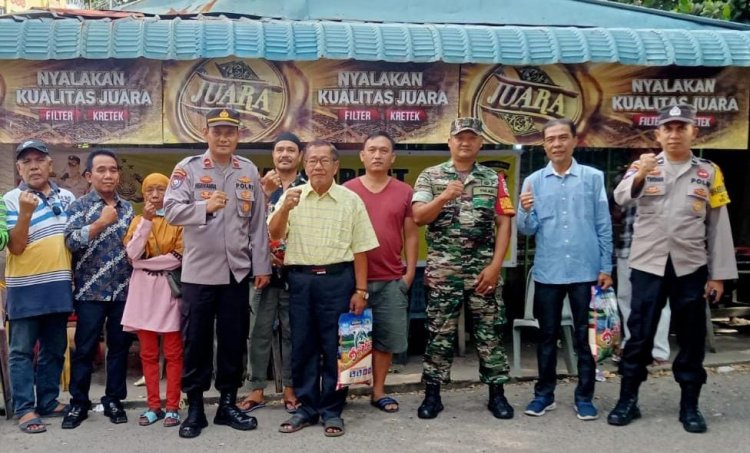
335 268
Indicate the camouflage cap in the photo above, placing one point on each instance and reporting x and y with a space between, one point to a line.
467 123
683 113
223 117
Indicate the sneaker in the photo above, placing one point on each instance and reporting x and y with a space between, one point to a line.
586 410
539 406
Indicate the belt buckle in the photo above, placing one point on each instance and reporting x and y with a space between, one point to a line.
319 270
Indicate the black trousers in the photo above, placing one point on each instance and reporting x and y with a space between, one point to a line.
92 316
548 306
228 307
315 303
685 294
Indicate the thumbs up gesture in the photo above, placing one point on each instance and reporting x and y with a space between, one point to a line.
527 198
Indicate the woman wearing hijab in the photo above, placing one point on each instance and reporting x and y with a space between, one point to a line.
152 311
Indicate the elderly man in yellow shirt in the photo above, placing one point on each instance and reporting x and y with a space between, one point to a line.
328 234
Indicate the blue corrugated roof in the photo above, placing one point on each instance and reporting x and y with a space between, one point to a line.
542 13
212 37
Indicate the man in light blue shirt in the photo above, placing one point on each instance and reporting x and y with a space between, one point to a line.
564 205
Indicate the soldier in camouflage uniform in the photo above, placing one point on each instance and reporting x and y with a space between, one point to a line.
468 213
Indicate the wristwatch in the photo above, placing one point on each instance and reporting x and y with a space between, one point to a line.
363 292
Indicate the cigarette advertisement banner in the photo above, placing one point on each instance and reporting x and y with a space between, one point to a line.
81 101
612 105
339 101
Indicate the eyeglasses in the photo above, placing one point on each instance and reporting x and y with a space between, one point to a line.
314 162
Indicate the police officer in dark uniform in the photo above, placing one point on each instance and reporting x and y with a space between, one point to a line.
682 250
218 200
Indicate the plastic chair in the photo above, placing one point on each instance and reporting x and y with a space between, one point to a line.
530 321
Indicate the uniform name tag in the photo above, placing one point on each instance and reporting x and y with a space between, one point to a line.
489 191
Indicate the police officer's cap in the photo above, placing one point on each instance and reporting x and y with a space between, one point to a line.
32 144
466 124
223 117
683 113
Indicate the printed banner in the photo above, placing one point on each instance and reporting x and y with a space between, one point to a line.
81 101
270 97
338 101
414 103
612 105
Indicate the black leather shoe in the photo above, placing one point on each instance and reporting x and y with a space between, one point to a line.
432 404
114 410
75 416
693 421
193 425
624 412
229 414
196 417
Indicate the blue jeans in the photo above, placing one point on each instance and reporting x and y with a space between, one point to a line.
51 332
548 305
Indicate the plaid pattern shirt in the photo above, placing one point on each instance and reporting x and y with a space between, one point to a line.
101 270
625 238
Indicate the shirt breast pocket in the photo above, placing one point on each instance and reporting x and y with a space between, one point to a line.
245 199
544 207
697 197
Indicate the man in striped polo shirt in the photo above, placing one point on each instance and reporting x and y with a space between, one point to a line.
38 275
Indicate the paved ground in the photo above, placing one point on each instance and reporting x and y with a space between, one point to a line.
465 426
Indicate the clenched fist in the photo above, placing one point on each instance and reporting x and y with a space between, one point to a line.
292 199
108 215
217 201
453 190
270 182
646 164
149 211
27 203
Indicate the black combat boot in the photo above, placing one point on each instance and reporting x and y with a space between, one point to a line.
626 409
691 418
229 414
498 404
432 404
196 417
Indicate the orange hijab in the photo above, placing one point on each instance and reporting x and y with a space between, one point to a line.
164 238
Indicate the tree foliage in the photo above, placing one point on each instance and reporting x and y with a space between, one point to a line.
733 10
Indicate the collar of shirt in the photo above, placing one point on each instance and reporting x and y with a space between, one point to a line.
573 170
661 158
331 192
96 197
54 188
209 163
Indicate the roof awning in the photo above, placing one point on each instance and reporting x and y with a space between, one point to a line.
212 37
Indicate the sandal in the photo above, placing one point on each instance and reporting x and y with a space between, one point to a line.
294 424
150 417
249 405
291 406
334 427
33 426
59 411
383 404
172 418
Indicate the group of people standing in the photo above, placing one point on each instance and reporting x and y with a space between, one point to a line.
300 249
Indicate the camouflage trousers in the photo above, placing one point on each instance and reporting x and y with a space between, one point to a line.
445 300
